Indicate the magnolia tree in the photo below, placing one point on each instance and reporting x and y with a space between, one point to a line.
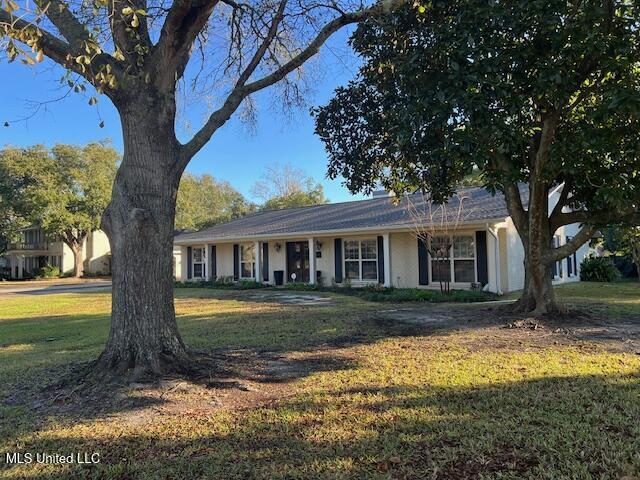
531 95
142 54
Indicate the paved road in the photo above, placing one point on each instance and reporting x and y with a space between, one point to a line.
44 289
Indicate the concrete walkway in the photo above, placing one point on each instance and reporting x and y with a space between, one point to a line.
43 288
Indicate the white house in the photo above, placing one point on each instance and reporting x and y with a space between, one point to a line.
368 242
35 250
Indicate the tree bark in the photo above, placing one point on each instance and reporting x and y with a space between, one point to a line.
139 222
533 226
78 264
538 296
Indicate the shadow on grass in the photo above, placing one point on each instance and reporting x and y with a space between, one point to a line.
557 427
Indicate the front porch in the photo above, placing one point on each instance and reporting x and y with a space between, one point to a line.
391 259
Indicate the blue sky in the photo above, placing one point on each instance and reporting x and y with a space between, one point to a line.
234 154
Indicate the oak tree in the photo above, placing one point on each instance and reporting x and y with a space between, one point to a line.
143 54
283 186
64 190
204 201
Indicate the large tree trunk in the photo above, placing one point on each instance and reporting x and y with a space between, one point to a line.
78 264
537 297
139 221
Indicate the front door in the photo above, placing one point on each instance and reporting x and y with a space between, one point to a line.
298 261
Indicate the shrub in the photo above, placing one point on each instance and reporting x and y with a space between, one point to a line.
378 293
302 286
49 271
223 283
598 269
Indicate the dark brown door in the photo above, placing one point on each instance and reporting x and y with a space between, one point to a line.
298 261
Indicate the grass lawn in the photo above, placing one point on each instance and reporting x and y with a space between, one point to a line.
335 390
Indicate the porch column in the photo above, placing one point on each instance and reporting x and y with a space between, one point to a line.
20 266
387 259
312 261
207 273
258 267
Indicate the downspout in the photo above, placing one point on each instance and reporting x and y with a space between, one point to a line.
497 262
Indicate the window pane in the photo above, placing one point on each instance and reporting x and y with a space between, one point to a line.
369 270
351 249
247 253
352 270
441 246
369 249
464 270
197 254
246 270
463 247
441 270
197 270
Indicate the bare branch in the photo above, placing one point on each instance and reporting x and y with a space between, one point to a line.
241 91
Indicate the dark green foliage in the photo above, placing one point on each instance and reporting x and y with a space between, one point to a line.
466 83
381 294
372 293
223 283
598 269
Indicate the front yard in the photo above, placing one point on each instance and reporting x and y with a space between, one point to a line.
331 386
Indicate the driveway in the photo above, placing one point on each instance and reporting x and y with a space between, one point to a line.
44 288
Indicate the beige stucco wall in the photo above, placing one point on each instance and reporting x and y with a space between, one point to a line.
97 252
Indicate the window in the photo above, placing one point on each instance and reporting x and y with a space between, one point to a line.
453 257
361 259
247 261
557 266
198 262
441 259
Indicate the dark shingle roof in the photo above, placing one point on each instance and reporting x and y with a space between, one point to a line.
479 205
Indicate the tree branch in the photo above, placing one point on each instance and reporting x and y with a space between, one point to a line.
55 48
122 39
64 20
185 20
584 235
562 200
241 91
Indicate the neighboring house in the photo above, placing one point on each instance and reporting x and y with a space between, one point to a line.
35 250
367 242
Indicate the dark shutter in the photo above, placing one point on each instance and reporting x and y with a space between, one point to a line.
189 266
265 261
380 259
481 252
337 244
236 261
569 261
212 262
423 263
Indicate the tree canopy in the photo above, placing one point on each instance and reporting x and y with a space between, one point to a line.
64 190
545 93
204 201
283 186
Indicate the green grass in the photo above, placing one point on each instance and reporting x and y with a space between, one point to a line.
460 404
